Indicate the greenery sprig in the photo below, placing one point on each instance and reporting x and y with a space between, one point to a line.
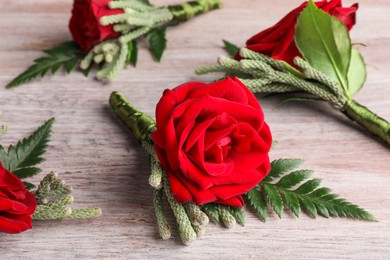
331 70
53 196
67 55
139 19
281 189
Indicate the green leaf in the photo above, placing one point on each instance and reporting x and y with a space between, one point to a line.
324 42
292 202
314 200
294 178
281 166
157 42
238 214
29 186
211 209
231 48
257 202
357 74
28 152
132 55
67 54
274 198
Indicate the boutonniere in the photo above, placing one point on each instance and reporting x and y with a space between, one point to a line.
21 202
209 155
106 33
309 56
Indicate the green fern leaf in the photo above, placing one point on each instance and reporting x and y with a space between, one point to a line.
314 200
231 48
281 166
211 210
157 42
67 54
274 198
21 158
257 202
294 178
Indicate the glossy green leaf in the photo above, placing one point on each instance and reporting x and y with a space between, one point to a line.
357 72
324 42
157 42
281 166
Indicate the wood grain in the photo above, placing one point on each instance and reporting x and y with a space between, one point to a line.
107 168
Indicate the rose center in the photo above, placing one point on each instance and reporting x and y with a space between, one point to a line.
218 152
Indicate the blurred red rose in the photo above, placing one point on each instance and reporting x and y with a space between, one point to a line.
16 204
212 141
278 40
85 23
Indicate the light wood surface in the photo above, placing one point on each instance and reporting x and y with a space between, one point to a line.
96 154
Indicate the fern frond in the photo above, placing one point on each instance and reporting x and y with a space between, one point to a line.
296 192
67 54
22 158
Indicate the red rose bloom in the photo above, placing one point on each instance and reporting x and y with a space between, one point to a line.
278 40
212 141
16 204
85 23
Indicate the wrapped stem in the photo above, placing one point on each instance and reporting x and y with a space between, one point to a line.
185 11
369 120
139 124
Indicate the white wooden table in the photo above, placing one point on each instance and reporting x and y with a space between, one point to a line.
96 154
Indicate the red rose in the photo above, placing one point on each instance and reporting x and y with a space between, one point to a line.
16 204
85 23
212 141
278 40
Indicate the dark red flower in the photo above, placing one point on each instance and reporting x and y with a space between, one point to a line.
16 204
212 141
278 40
85 23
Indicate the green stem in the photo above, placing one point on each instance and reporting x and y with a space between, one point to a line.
139 124
369 120
185 11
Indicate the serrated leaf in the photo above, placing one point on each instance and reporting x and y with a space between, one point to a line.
27 172
308 186
157 42
309 206
324 42
211 210
132 55
238 214
292 202
274 198
28 152
258 203
281 166
357 73
63 55
294 178
315 200
231 48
